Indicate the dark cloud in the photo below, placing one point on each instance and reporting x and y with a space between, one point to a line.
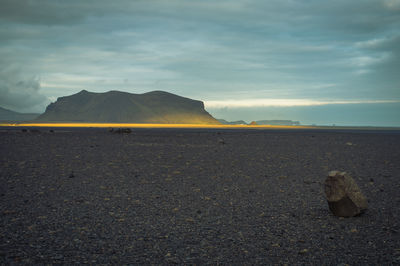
20 92
56 12
40 12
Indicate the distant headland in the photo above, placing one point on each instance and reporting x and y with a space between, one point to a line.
157 107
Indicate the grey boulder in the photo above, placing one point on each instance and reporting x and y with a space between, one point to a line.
344 197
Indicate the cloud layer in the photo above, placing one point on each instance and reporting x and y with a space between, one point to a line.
209 50
20 92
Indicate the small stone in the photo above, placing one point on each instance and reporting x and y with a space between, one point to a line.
121 131
58 257
343 195
303 251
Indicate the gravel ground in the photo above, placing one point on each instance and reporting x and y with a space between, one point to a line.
195 197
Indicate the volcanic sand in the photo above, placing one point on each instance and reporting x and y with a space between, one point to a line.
198 196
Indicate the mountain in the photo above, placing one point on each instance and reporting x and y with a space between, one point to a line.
261 122
239 122
278 122
122 107
11 116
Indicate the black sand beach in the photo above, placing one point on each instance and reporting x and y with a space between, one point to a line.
195 196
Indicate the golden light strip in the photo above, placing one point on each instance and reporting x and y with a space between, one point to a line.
130 125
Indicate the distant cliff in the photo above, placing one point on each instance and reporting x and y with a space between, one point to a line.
278 122
122 107
262 122
11 116
239 122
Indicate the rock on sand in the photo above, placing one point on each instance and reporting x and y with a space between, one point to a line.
343 195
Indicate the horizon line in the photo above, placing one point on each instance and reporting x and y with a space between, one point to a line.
246 103
205 126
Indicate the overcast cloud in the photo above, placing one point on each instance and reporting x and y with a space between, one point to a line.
243 50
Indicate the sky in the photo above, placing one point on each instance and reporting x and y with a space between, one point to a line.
314 61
